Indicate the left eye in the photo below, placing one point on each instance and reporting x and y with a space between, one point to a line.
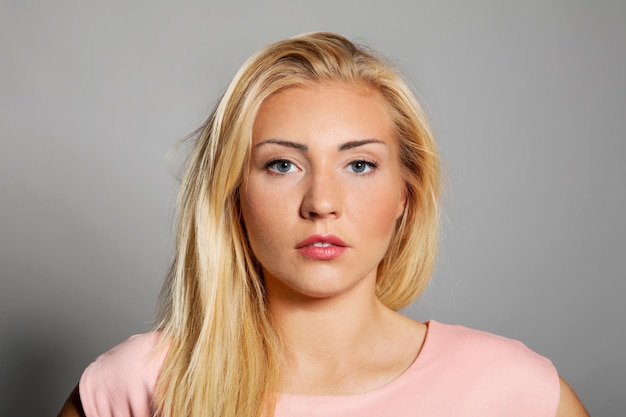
361 167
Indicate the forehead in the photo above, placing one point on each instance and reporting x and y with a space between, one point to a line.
337 108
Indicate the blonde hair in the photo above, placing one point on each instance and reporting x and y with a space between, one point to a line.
223 353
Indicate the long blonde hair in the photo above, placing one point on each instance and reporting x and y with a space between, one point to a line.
223 353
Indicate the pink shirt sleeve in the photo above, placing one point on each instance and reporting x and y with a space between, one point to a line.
120 382
491 374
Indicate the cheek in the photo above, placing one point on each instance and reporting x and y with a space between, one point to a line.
262 217
383 218
252 212
381 207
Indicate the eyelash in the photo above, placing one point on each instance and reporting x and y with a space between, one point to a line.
372 165
369 163
269 164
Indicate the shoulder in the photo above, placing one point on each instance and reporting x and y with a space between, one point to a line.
494 369
461 343
121 381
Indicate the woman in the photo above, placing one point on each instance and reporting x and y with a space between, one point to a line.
307 218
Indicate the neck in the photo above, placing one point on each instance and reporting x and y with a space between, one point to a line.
342 344
328 328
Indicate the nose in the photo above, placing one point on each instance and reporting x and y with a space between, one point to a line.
322 197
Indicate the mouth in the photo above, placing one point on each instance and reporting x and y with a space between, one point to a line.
322 248
322 244
320 241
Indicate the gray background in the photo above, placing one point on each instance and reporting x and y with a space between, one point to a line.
528 101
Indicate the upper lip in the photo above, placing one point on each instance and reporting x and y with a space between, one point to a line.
332 239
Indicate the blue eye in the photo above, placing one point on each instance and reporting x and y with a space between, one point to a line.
361 166
281 166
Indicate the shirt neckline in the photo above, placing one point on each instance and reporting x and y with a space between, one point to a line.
422 356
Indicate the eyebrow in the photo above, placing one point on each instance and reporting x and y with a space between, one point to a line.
301 147
357 143
286 143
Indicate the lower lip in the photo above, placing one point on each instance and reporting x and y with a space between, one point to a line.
320 253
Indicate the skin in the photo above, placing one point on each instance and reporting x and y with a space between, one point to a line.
569 404
322 138
72 406
300 183
325 161
337 149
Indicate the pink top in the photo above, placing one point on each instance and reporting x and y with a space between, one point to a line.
459 371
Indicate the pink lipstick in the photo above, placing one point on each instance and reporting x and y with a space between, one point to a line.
322 248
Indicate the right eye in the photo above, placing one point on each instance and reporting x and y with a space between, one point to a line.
281 166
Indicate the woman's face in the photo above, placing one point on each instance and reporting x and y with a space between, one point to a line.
323 191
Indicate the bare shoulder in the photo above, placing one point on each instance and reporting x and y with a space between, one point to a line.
72 407
569 404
